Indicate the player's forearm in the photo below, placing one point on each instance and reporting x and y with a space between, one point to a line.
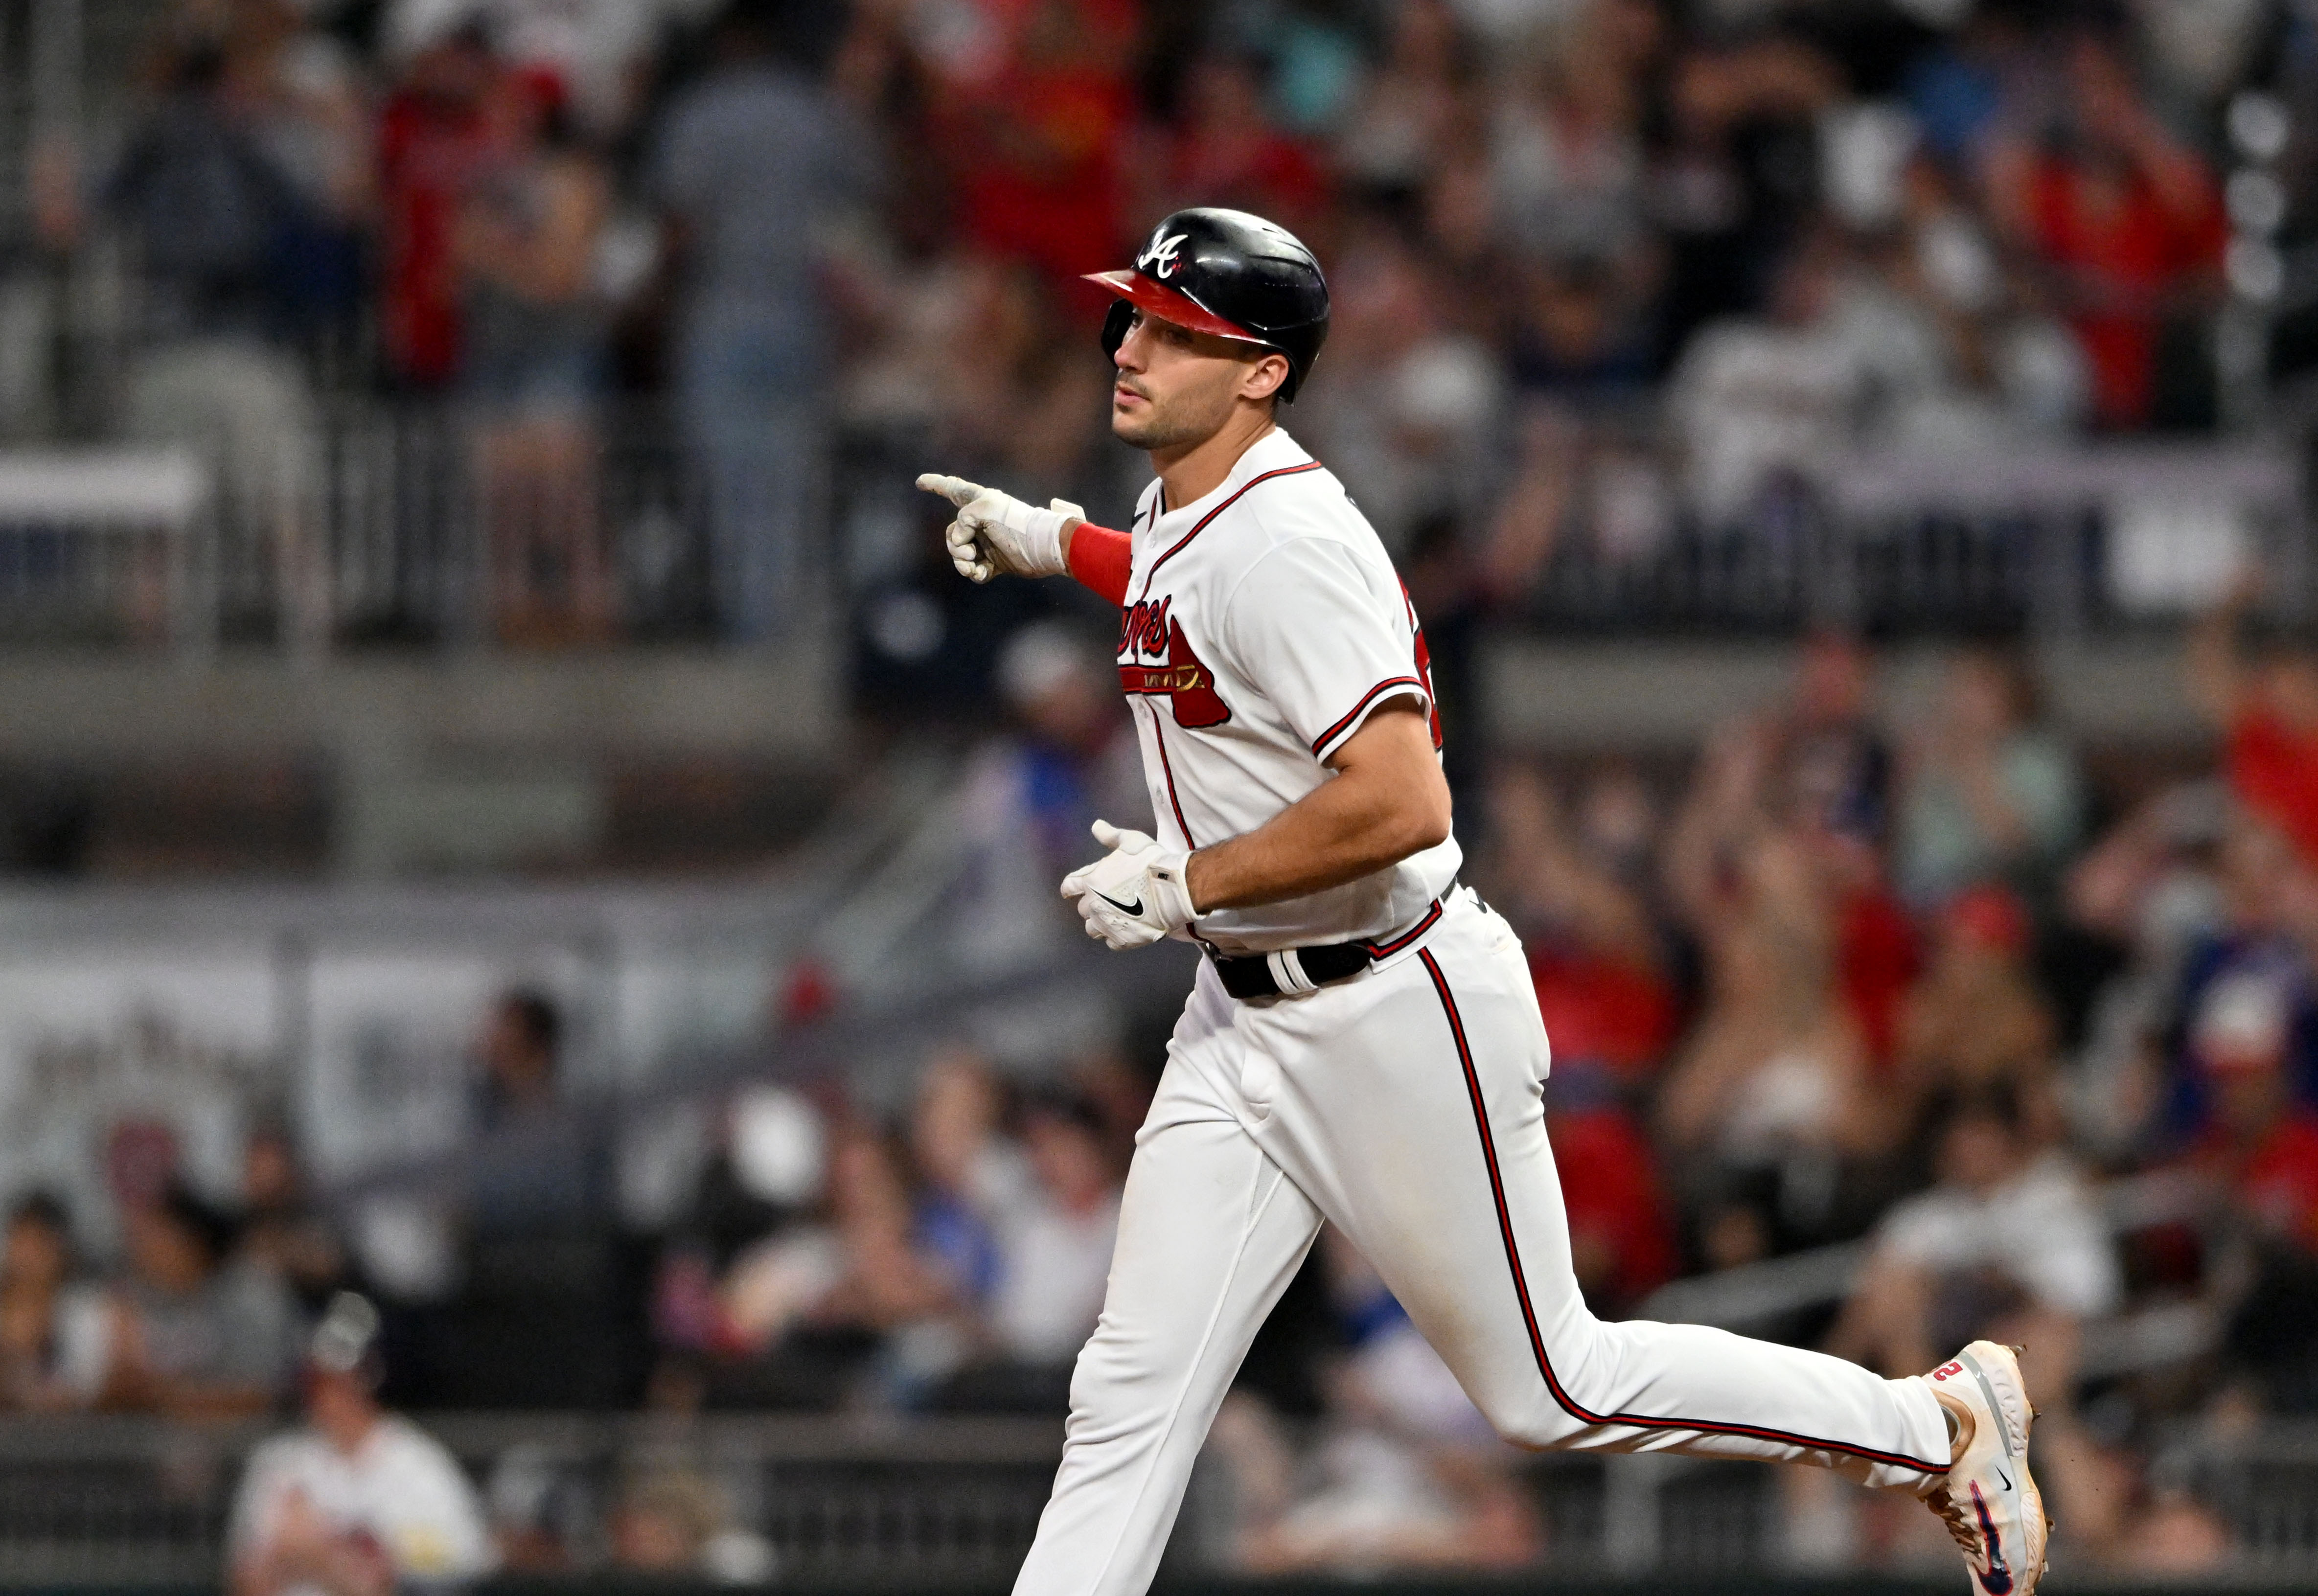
1388 801
1307 848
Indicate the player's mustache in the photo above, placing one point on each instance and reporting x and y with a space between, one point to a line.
1132 387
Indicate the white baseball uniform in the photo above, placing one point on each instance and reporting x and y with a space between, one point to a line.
1264 624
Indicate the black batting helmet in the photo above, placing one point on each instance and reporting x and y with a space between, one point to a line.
1226 273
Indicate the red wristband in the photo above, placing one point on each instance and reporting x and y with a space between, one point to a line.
1101 560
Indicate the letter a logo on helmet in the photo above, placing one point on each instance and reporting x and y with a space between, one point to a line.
1158 256
1228 274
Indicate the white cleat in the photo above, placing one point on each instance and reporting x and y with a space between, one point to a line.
1991 1505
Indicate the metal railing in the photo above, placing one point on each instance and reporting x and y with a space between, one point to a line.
955 1502
369 521
126 1500
2053 541
129 534
388 522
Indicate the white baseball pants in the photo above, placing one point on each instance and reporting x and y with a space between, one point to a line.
1405 1106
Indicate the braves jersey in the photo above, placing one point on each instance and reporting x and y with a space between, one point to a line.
1264 624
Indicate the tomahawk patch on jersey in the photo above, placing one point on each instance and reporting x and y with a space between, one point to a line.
1274 578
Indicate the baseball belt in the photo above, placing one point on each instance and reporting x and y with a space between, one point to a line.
1297 970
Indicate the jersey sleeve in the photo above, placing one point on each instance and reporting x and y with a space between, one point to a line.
1325 640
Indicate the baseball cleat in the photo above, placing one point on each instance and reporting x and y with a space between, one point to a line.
1990 1503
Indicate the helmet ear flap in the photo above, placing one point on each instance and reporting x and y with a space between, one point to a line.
1116 323
1290 383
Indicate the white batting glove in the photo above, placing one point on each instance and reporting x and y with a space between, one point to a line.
1137 893
996 535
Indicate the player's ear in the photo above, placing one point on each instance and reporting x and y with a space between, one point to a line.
1264 376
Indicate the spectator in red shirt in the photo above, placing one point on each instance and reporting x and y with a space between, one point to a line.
433 138
1594 952
2266 707
2127 215
1031 101
1226 152
1876 955
1620 1238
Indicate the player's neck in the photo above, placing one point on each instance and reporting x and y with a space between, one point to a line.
1189 474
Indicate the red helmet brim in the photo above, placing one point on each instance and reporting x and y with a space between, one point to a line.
1154 298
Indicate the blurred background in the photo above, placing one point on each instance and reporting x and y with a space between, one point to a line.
505 809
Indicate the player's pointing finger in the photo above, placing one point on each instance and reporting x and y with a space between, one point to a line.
956 490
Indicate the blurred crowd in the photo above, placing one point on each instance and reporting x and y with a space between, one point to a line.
1994 1043
2008 1042
1601 268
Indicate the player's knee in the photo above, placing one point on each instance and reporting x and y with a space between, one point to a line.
1536 1424
1550 1410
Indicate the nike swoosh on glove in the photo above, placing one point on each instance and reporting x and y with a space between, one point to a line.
1135 894
996 535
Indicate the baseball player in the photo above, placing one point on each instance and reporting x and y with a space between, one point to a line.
1362 1045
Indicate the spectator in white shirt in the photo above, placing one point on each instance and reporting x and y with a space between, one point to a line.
361 1502
2008 1244
1053 1262
1055 1255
